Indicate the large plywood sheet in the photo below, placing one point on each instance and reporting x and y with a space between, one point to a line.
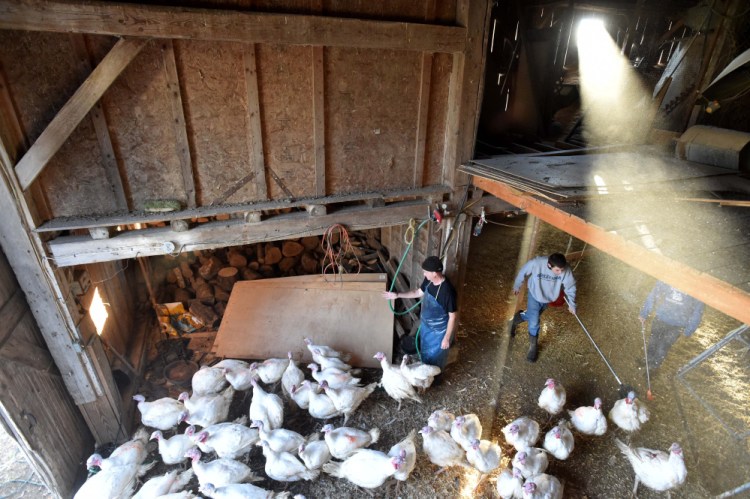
270 317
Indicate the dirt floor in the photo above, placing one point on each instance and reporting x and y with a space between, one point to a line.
493 379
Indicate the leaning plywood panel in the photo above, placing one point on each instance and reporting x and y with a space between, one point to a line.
268 318
372 99
143 135
286 102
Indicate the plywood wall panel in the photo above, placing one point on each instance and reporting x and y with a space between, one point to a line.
372 99
212 77
286 101
441 69
142 130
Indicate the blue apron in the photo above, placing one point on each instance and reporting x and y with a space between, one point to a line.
434 325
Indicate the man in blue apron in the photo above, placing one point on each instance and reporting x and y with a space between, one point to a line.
438 316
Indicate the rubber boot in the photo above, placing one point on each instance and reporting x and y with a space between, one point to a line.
518 318
531 356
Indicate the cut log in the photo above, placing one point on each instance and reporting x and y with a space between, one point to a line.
254 265
221 294
309 262
209 269
204 313
179 278
226 278
220 308
291 248
273 254
260 251
267 271
187 272
310 242
236 259
249 274
204 292
182 295
287 263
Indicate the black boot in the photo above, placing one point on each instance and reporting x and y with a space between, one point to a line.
517 319
531 356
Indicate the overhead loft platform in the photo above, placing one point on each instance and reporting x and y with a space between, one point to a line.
684 223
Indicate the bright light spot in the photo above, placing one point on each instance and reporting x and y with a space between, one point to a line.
627 186
137 226
469 482
98 312
646 238
601 185
615 103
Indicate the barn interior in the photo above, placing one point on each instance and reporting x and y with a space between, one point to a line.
179 175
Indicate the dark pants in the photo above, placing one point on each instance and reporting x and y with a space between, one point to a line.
662 338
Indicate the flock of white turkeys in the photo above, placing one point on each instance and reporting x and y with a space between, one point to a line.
343 452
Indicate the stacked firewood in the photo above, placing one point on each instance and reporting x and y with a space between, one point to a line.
203 280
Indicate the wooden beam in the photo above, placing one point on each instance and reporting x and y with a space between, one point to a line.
109 162
713 292
76 250
71 114
422 115
119 19
319 122
254 128
73 223
178 120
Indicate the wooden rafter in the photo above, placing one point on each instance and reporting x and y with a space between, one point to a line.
77 250
319 135
711 291
108 18
254 129
77 107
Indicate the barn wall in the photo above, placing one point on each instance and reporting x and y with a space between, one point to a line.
36 406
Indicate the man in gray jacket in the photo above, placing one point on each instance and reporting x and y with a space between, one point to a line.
547 277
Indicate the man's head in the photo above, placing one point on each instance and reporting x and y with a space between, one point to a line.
432 267
557 263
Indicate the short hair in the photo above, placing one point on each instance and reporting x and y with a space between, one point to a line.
557 260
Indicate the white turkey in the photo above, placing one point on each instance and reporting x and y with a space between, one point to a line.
366 468
238 491
510 484
240 377
285 467
292 376
629 413
531 461
395 384
205 410
172 481
656 469
484 455
407 450
280 439
229 440
270 370
336 378
589 420
207 380
314 454
266 407
172 450
441 420
521 433
326 362
441 449
325 351
113 483
552 398
559 440
220 471
542 486
232 364
348 398
420 375
466 428
343 441
163 414
132 452
320 405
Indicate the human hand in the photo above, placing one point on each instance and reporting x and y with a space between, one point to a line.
446 343
389 295
516 291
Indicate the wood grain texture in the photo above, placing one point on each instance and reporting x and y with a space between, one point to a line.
217 25
319 121
254 129
63 124
270 317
